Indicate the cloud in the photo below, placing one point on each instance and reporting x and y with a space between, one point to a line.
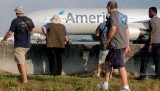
158 1
129 6
9 1
80 3
68 3
6 1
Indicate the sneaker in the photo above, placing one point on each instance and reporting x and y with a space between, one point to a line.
97 76
110 77
141 78
124 89
102 85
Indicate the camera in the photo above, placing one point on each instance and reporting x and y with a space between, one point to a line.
112 44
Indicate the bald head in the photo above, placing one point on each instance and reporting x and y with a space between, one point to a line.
112 4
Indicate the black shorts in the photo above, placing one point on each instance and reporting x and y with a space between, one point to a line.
115 57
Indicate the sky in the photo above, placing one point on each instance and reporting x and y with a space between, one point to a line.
7 7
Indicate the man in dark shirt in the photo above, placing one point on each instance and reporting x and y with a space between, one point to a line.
101 32
22 27
152 47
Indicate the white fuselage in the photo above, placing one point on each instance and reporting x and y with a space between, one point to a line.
85 21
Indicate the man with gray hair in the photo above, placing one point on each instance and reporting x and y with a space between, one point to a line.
118 42
22 27
56 35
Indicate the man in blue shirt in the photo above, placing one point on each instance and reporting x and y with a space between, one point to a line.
47 28
22 27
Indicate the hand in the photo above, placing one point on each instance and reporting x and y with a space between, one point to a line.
108 46
2 42
68 42
150 48
128 50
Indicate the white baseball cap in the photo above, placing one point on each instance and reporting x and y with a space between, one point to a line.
56 19
19 9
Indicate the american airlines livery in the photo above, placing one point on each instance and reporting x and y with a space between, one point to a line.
85 21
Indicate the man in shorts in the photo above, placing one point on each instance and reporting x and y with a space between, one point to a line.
101 33
23 27
118 41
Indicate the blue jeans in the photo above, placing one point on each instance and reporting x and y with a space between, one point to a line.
156 57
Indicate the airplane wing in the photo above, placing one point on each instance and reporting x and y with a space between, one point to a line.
142 24
145 21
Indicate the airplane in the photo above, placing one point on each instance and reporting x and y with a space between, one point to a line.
11 39
85 21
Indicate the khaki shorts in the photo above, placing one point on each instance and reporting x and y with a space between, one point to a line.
102 56
19 53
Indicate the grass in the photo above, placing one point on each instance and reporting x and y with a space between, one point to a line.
9 82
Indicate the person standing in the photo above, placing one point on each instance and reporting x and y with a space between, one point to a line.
56 35
23 27
118 41
152 47
101 33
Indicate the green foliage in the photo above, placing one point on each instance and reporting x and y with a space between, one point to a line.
75 79
70 80
10 84
54 78
55 89
27 89
46 89
38 77
137 89
82 88
88 81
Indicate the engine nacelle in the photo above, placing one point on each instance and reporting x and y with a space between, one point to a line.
135 32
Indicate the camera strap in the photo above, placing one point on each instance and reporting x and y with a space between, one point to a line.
25 22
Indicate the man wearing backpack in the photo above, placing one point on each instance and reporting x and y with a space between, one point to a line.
101 32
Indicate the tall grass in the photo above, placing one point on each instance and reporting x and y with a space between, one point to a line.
9 82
